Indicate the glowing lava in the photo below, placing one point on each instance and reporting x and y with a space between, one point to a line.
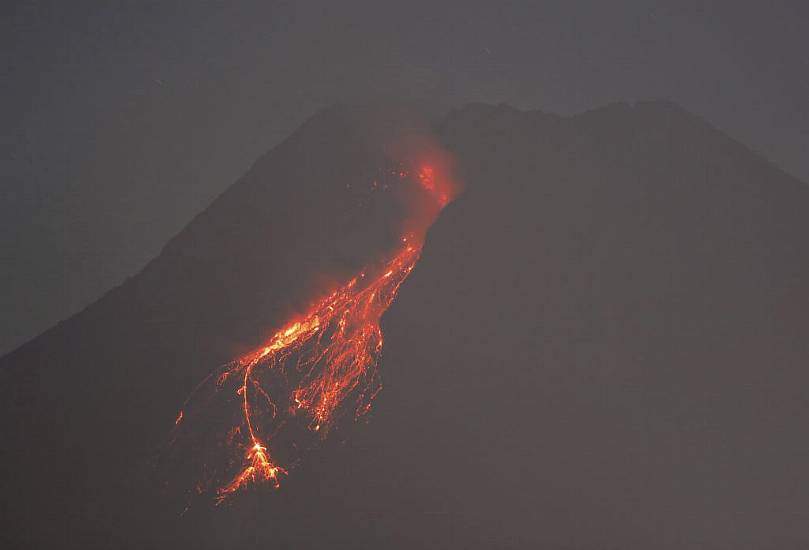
334 346
316 362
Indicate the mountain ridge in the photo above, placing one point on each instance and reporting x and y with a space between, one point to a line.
595 308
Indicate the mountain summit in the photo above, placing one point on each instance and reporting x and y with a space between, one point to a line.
602 346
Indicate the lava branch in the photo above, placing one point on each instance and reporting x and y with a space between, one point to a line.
330 354
344 339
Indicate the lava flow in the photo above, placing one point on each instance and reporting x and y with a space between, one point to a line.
307 371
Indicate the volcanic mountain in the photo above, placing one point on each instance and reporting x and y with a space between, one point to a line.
603 345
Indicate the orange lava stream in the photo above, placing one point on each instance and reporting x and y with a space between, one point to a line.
328 355
343 340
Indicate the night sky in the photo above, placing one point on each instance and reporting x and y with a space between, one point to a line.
121 121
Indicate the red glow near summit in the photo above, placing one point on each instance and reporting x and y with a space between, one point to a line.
318 364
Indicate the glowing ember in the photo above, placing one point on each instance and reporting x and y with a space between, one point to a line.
319 361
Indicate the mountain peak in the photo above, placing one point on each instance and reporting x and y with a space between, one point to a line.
606 310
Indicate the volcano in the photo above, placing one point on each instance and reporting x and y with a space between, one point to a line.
601 345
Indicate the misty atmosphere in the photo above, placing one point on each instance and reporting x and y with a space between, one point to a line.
406 276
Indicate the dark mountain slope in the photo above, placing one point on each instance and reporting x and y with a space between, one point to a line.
603 346
616 357
89 403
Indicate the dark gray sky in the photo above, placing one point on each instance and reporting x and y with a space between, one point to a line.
123 120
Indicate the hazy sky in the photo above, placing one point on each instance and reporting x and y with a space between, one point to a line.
123 120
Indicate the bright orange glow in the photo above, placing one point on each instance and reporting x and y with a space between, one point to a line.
259 468
335 346
327 356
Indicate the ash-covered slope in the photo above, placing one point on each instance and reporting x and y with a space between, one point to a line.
616 357
603 346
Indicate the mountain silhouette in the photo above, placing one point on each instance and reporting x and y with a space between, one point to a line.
602 346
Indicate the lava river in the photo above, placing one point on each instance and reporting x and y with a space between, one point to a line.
316 367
